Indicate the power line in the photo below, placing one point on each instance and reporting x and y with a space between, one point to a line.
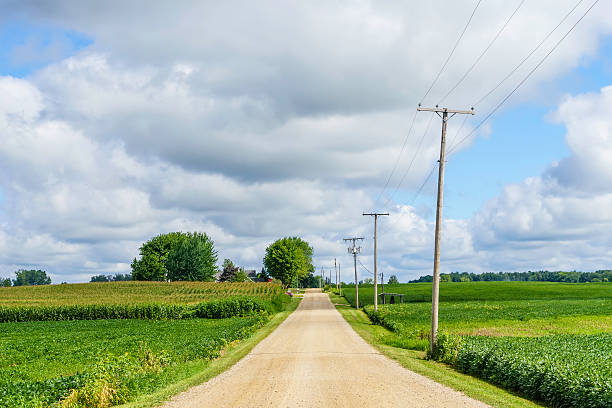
528 55
398 158
411 161
457 133
422 99
452 52
483 52
526 77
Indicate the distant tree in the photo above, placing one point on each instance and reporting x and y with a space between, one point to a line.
31 277
241 276
118 277
176 256
393 280
229 271
309 281
192 258
153 256
288 258
263 274
368 281
5 282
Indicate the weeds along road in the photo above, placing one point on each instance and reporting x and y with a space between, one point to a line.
315 359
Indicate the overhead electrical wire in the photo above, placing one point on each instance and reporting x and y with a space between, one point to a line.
525 78
482 54
485 96
398 158
451 53
422 99
411 161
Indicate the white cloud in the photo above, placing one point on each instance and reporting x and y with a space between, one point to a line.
252 122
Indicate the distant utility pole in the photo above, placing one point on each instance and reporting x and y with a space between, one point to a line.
355 250
336 272
321 279
340 278
435 293
375 215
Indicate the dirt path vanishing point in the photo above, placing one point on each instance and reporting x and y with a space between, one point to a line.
315 359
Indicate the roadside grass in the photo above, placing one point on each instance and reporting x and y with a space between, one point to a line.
380 338
198 372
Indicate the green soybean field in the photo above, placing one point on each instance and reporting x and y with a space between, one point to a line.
550 342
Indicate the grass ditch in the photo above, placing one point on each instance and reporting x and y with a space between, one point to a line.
380 337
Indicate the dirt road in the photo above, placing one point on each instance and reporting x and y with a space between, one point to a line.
315 359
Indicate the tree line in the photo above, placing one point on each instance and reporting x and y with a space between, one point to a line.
529 276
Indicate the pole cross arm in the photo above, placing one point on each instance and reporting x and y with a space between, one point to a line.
437 109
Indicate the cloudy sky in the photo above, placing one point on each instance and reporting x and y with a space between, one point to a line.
120 120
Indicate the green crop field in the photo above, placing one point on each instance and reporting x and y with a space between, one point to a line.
465 291
132 293
101 344
551 342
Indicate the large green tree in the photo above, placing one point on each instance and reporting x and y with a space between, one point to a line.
31 277
176 256
153 256
288 258
193 258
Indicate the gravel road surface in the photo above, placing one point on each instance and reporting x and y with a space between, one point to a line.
315 359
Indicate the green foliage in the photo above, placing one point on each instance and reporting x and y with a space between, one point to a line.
192 258
447 348
5 282
529 276
31 277
84 363
119 277
288 258
393 280
229 271
214 309
153 256
564 371
309 281
241 276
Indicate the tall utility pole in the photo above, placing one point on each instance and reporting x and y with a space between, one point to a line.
355 250
376 215
435 293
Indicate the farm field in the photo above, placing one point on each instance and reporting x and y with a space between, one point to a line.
553 347
132 292
79 362
484 291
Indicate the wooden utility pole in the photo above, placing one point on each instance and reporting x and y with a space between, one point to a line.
355 250
321 279
336 272
435 293
375 215
340 278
